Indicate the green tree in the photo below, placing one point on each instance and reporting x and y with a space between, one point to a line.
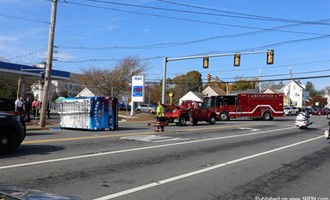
192 81
311 89
244 84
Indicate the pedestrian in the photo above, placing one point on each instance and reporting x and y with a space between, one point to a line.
35 107
27 107
191 114
19 104
160 117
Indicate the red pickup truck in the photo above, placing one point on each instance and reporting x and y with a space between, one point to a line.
179 114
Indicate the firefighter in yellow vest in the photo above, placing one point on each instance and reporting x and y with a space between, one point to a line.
160 118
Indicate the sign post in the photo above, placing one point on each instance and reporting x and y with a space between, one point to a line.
137 90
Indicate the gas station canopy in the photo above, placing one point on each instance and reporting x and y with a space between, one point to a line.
31 71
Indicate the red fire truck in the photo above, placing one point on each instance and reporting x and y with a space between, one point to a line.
254 106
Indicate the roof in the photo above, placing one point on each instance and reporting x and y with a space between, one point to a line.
216 89
87 92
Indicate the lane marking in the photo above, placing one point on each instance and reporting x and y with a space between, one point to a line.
124 134
139 149
251 129
182 176
153 138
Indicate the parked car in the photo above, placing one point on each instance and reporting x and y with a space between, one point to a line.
287 111
12 132
123 106
294 110
320 111
149 108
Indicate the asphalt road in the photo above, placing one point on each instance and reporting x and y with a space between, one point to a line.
238 159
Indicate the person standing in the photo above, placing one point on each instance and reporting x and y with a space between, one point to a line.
160 117
191 114
28 105
35 107
19 104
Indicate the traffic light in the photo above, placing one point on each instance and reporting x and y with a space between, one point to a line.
208 79
270 57
237 60
205 62
217 79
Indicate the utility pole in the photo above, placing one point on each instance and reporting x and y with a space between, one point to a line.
48 71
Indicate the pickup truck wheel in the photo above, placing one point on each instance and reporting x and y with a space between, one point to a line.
182 121
224 116
8 141
212 119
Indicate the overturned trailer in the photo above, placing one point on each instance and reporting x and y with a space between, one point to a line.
91 113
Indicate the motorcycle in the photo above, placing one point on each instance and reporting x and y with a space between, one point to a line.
327 132
303 120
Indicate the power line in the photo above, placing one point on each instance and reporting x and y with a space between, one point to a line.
248 16
25 19
168 17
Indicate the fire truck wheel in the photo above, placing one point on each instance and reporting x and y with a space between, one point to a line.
224 116
212 119
266 116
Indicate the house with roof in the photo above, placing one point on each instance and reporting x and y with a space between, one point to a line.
213 91
87 92
296 92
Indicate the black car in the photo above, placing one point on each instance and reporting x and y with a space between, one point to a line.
123 106
12 132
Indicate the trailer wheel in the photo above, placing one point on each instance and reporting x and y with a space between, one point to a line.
182 121
223 116
266 116
212 119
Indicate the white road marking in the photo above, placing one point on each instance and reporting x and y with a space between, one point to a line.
139 149
251 129
153 138
161 182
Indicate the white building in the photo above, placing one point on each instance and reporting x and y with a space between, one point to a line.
296 92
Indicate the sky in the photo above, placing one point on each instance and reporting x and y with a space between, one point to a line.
100 33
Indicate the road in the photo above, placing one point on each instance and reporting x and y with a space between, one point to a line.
238 159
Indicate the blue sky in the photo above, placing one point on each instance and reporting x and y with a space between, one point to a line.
98 33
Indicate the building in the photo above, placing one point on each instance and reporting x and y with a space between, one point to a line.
213 91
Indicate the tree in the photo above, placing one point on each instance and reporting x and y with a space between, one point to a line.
321 101
113 82
311 89
244 84
192 81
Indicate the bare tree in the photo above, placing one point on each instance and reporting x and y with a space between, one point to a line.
115 81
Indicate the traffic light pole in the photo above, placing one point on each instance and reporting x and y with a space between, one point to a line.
196 57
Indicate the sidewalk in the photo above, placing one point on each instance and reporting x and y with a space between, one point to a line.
54 121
